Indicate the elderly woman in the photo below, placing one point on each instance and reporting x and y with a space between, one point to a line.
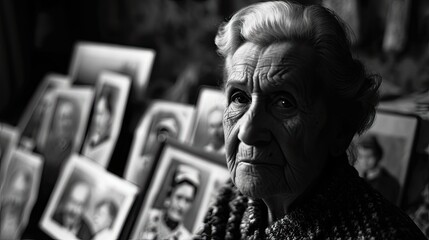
296 97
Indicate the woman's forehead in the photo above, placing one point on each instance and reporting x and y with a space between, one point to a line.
254 55
275 62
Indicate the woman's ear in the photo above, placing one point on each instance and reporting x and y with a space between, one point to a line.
343 136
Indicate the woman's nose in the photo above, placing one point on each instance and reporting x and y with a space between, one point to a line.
254 129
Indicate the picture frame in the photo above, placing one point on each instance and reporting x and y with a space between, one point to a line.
395 134
86 182
31 121
65 124
176 159
18 192
208 131
8 141
162 118
106 121
90 58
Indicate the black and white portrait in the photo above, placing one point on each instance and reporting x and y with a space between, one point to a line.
108 110
31 121
87 202
63 130
18 192
179 195
208 131
161 120
90 59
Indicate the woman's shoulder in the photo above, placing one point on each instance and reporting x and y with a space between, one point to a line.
364 211
343 205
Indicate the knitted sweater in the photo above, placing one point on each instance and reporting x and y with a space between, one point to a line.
340 206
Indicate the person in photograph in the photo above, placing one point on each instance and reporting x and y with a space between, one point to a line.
64 125
369 155
13 202
163 125
101 125
103 219
70 213
215 131
167 223
32 130
296 97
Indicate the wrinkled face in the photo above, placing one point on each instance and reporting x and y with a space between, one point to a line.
180 202
102 117
366 158
102 218
276 133
75 204
215 128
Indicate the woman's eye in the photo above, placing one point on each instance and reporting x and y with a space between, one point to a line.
284 103
239 97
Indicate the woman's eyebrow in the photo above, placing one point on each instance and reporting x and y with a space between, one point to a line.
237 77
236 82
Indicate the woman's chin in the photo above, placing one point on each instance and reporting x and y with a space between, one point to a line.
258 181
254 188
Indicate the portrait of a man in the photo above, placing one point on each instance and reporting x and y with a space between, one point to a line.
215 131
18 192
208 131
62 130
161 120
15 195
31 122
167 223
87 202
70 212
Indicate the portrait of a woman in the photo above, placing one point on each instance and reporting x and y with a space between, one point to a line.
296 96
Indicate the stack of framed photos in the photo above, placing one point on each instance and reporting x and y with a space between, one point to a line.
59 158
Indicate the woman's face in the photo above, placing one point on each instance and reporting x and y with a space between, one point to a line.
275 123
181 200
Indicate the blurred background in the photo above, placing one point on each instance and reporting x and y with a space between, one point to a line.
38 37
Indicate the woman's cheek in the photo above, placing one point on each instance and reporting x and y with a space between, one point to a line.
230 119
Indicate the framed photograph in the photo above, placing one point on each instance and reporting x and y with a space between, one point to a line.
108 110
384 152
8 141
65 124
208 131
87 202
31 121
18 192
161 119
183 185
89 59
